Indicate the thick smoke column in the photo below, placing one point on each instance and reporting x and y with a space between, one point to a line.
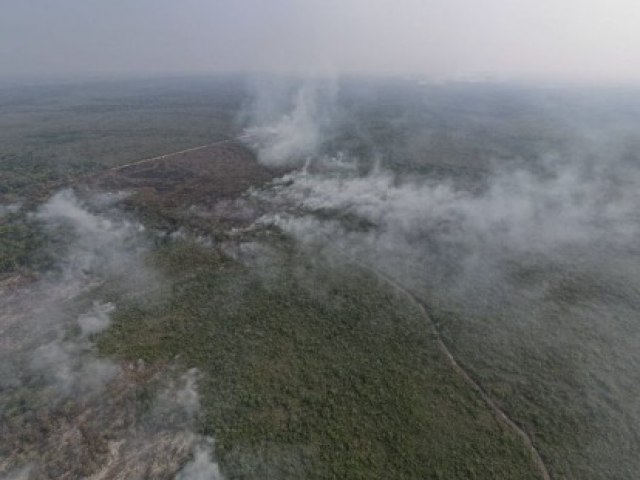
289 130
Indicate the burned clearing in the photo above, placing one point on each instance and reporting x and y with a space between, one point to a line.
205 175
198 189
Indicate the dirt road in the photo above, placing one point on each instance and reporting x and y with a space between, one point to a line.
499 413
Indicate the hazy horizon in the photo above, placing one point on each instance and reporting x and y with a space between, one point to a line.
590 41
294 239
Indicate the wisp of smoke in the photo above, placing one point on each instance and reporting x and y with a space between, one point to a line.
6 209
202 467
88 402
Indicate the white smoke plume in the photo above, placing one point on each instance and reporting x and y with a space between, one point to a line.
533 262
202 467
289 131
519 210
102 245
70 369
53 380
37 319
97 319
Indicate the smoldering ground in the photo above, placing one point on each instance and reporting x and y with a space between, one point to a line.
66 410
520 236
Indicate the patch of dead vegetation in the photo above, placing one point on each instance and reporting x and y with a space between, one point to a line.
120 434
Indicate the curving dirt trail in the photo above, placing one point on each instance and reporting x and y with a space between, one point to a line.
499 413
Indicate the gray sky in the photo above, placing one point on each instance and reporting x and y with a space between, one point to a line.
589 40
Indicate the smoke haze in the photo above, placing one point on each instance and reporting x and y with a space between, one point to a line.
531 259
53 379
480 157
573 40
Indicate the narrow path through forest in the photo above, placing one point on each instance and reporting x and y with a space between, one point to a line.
497 410
493 405
168 155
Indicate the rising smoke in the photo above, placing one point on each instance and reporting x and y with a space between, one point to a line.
53 380
533 256
295 136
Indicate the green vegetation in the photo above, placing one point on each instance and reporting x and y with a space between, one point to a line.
315 372
22 244
50 135
312 369
541 384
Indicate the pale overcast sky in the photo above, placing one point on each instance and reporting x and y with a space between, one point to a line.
589 40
